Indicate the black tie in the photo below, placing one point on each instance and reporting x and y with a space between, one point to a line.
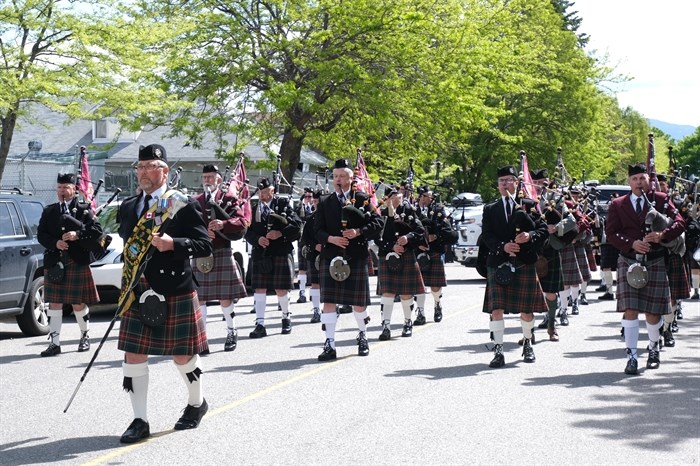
341 198
639 206
64 209
146 200
509 208
265 212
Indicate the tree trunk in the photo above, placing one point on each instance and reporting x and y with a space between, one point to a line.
8 128
290 150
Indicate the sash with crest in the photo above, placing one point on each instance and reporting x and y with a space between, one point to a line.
137 247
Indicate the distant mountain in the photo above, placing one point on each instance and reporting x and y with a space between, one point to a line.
677 132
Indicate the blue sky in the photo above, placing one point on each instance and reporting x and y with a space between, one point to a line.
655 43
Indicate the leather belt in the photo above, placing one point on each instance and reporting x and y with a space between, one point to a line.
649 256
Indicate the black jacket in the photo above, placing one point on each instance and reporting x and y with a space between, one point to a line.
169 273
258 229
404 223
436 223
53 224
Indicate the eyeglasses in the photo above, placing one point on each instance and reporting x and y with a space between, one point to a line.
507 181
149 167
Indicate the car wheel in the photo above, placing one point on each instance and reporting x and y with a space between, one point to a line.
34 321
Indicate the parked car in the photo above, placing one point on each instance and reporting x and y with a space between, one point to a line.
107 271
466 214
606 193
22 263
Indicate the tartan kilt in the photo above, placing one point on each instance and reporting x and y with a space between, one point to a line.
224 281
553 282
524 295
183 333
312 275
582 258
434 277
353 291
608 256
281 277
406 281
677 279
78 286
653 298
569 266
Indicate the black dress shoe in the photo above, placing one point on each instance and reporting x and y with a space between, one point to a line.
52 350
386 333
607 296
582 300
669 340
653 361
521 342
679 311
192 416
316 318
362 344
138 429
674 326
602 288
420 318
302 298
84 343
498 359
286 326
631 368
328 353
437 317
695 295
345 309
258 332
564 319
544 323
407 330
231 340
574 309
528 352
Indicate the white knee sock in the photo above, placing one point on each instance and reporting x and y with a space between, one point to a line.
668 320
608 280
191 373
361 319
498 327
302 284
387 308
83 318
653 332
55 324
527 328
437 295
229 314
631 335
584 286
329 319
696 281
136 384
574 290
407 305
562 299
420 301
284 304
315 294
260 300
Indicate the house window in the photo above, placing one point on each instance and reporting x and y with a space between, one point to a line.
101 129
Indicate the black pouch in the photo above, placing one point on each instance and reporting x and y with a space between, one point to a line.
505 274
56 273
393 262
423 260
153 309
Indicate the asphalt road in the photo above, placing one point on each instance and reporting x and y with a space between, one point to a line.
428 399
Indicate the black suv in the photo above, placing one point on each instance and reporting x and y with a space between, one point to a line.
22 263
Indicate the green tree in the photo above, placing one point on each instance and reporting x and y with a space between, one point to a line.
688 154
80 58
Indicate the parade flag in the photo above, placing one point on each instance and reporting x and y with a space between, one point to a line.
239 187
85 185
651 164
529 189
364 183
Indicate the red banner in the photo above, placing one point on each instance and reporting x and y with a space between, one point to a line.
85 186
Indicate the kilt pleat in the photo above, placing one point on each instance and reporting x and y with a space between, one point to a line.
677 278
406 281
224 281
281 277
434 277
570 267
523 295
77 286
553 282
582 259
654 298
183 333
353 291
312 275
